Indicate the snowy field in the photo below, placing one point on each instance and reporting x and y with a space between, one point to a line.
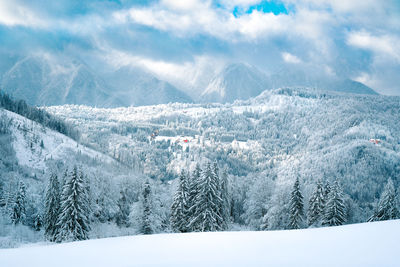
368 244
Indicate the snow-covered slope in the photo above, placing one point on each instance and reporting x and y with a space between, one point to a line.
368 244
34 144
290 77
50 81
138 87
235 82
242 81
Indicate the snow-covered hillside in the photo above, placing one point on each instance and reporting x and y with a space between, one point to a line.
50 80
34 144
266 141
235 82
368 244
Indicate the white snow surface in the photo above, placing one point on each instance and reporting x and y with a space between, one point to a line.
367 244
56 145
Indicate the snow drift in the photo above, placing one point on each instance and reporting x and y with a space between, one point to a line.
368 244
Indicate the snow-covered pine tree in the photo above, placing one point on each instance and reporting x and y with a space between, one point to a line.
179 208
327 190
147 212
37 224
222 212
122 216
316 205
225 196
335 210
193 182
387 206
296 207
2 194
88 194
18 209
52 208
74 223
206 209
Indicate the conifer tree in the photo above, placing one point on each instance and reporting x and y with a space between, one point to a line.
193 182
122 217
387 206
225 196
327 190
18 210
37 224
335 210
206 209
147 211
2 194
74 220
179 209
296 207
52 208
316 204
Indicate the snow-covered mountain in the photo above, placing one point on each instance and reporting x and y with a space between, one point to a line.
368 244
135 86
290 77
242 81
48 80
235 82
37 147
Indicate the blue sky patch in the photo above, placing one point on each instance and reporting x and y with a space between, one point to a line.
275 7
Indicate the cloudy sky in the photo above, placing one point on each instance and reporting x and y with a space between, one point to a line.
186 39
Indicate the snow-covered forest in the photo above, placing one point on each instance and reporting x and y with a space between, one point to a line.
289 158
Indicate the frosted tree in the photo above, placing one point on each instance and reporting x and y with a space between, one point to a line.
225 196
52 208
74 220
296 207
122 216
387 206
316 205
147 211
2 194
18 212
335 210
179 209
327 190
206 209
193 183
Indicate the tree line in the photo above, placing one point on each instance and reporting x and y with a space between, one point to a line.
201 203
38 115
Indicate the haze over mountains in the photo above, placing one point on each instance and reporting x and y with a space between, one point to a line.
49 80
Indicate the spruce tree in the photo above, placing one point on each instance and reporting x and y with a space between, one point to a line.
327 190
18 210
193 182
225 196
387 206
74 223
335 210
2 194
296 207
206 209
179 208
316 205
52 208
147 211
122 216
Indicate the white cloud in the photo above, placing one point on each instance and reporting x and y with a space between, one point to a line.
191 74
289 58
384 46
14 14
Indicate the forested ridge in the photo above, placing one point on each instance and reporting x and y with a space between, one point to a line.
290 158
